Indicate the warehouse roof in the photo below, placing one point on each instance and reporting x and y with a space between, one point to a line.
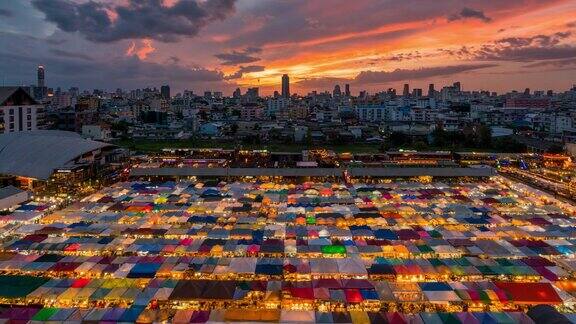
9 191
37 154
318 172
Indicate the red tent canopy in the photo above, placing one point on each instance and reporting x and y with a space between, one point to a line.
530 292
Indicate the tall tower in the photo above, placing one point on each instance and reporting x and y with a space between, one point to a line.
431 90
165 92
285 86
41 83
337 92
457 86
406 91
347 90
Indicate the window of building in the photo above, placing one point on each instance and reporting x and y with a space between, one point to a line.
29 117
11 111
29 110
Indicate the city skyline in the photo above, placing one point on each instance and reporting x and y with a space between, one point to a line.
221 45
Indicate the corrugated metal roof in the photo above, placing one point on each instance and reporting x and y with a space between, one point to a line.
324 172
37 154
8 191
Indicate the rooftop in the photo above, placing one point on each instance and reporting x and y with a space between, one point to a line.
37 154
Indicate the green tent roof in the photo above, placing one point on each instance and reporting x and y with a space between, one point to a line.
45 313
19 286
333 249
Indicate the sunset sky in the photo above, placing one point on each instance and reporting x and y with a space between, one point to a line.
222 44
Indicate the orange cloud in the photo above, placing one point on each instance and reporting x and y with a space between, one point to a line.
346 54
141 52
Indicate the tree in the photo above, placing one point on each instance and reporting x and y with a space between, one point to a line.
420 146
509 145
484 136
398 139
438 137
555 149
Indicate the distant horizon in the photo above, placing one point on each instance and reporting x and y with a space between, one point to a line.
354 92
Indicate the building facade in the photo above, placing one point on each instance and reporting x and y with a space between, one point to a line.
18 111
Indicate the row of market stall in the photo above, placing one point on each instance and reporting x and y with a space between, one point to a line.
328 251
320 294
289 269
146 315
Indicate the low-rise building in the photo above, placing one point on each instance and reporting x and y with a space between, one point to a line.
97 132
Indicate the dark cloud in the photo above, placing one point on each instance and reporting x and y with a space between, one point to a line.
469 13
554 63
538 40
73 55
138 19
526 49
415 55
376 77
119 72
6 13
53 41
291 25
381 77
245 69
462 53
245 56
571 24
526 54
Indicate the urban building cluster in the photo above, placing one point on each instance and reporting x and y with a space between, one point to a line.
92 231
538 120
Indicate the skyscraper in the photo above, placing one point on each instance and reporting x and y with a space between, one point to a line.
285 86
457 86
41 83
337 92
165 91
431 90
406 91
347 90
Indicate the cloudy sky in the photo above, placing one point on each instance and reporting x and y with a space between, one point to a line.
222 44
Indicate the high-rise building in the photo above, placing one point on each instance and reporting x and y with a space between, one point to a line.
40 92
237 94
417 93
457 86
337 92
431 90
285 86
406 91
165 92
41 75
347 90
252 94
